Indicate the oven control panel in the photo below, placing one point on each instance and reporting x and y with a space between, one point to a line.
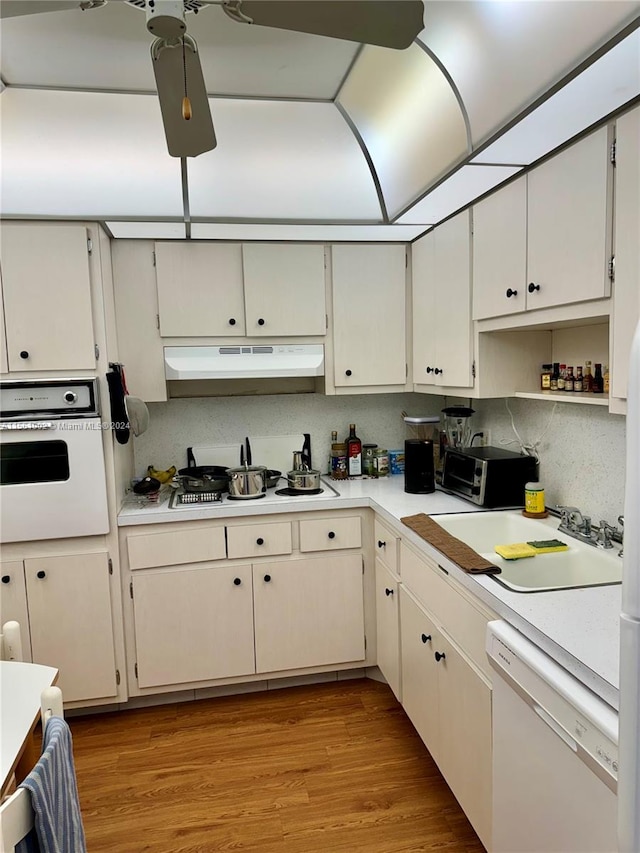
48 398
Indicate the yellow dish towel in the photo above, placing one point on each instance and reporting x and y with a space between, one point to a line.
517 551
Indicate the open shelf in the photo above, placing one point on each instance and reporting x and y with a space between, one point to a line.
581 397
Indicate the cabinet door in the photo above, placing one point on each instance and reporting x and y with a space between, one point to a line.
388 627
4 364
369 315
200 291
568 225
425 324
47 297
71 623
418 641
308 612
284 289
13 601
465 733
386 546
193 624
500 252
626 301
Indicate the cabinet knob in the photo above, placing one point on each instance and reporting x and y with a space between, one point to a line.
533 287
259 541
429 369
347 373
232 321
331 534
511 293
6 578
261 322
438 371
388 592
41 574
381 544
439 656
237 581
267 578
426 638
24 353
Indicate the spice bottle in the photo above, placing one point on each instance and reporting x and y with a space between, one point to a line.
578 382
555 376
545 377
339 461
587 379
568 379
354 453
598 381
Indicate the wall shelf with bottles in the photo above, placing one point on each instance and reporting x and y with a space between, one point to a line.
580 397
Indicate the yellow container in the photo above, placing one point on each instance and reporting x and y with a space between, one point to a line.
534 497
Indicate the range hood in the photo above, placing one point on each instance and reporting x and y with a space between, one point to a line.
244 362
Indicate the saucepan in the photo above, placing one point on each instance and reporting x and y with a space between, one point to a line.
247 481
301 477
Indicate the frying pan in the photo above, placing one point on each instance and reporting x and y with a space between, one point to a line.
204 478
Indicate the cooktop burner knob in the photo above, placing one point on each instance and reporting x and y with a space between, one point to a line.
70 397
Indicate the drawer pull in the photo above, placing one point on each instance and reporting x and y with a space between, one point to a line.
381 544
6 578
24 354
261 322
533 287
237 581
511 293
426 638
259 541
439 656
267 578
388 592
331 534
41 574
442 569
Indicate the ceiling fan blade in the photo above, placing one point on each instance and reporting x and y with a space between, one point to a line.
388 23
184 138
14 8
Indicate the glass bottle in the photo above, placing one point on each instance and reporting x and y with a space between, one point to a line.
568 379
354 453
334 439
578 382
555 376
587 379
605 379
561 376
598 381
545 377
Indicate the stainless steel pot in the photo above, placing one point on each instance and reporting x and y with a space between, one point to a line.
247 481
304 479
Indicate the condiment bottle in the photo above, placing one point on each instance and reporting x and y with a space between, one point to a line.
339 461
568 379
334 439
578 382
354 453
368 460
534 498
587 379
598 381
381 462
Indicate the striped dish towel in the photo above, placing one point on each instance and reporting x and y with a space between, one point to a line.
54 795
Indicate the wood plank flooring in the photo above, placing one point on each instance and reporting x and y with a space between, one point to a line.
327 768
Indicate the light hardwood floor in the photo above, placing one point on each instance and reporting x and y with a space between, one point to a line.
328 768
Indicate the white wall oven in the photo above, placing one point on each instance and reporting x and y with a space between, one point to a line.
52 474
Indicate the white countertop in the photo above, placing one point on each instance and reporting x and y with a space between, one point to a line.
579 628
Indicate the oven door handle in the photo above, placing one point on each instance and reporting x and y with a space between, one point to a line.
15 426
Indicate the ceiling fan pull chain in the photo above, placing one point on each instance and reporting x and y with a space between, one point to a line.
186 103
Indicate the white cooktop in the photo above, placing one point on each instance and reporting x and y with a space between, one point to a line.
270 497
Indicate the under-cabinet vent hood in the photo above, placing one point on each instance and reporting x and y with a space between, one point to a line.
244 362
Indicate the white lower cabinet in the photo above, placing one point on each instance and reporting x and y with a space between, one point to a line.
193 624
449 703
388 627
308 612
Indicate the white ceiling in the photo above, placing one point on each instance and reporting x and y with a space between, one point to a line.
310 130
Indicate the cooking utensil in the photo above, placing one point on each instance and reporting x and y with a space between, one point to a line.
247 481
273 477
301 477
204 478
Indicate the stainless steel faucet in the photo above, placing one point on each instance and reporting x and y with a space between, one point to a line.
579 526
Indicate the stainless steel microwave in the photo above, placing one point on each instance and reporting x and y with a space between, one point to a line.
488 476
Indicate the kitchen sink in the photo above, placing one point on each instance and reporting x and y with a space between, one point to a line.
581 566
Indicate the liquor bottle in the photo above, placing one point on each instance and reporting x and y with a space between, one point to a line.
555 376
587 379
605 379
578 382
561 377
568 379
334 439
598 381
354 453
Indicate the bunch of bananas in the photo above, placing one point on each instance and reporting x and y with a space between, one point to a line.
162 476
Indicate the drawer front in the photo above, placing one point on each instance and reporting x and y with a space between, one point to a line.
193 545
464 623
259 540
330 534
386 546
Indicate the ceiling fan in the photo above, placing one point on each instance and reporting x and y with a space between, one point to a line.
176 64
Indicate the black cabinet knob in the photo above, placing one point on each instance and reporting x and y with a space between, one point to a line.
24 354
6 578
261 322
237 581
533 287
381 544
429 369
347 373
259 541
331 534
439 656
511 293
267 578
388 592
41 574
438 371
232 321
426 638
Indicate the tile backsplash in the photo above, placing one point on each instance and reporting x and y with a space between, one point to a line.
582 452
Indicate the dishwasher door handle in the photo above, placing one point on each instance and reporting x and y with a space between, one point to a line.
555 726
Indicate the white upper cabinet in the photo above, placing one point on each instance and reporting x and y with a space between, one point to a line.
47 297
441 272
626 295
568 231
200 289
369 339
284 289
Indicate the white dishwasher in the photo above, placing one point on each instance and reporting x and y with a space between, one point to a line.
555 754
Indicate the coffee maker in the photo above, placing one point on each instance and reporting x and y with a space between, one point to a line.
419 474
